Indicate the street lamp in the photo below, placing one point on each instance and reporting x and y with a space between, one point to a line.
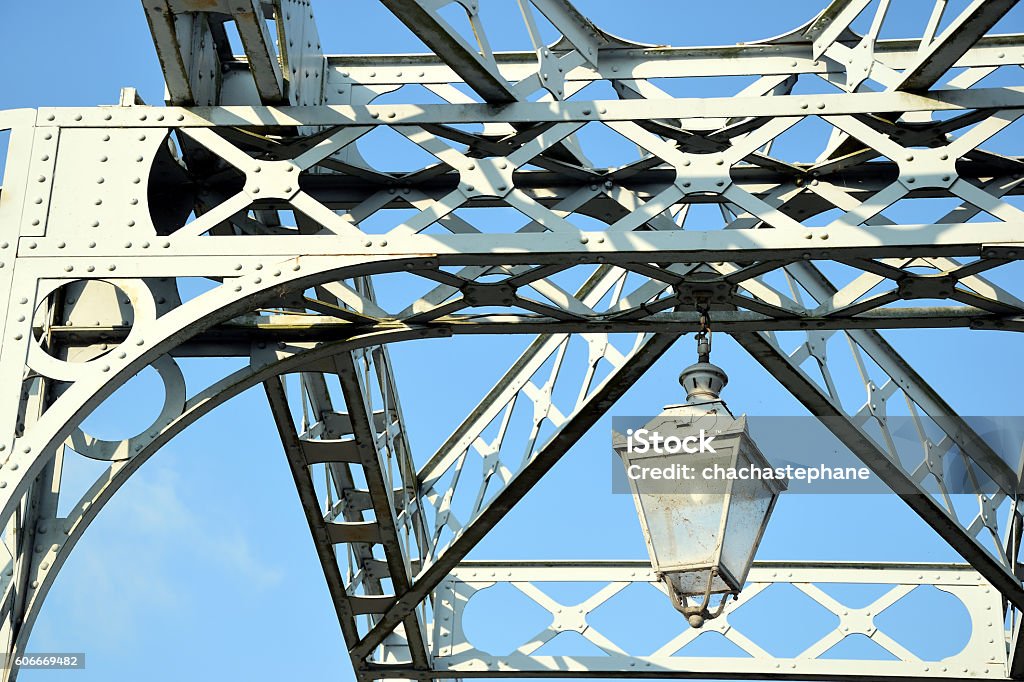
702 524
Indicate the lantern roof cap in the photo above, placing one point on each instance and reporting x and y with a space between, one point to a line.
703 382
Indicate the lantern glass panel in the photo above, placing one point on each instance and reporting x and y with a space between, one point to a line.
682 518
749 506
697 525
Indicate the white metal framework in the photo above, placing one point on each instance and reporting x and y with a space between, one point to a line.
251 182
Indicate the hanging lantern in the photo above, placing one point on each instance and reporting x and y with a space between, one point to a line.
702 524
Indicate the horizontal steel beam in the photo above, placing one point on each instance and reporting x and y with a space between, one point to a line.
535 112
347 71
455 655
235 336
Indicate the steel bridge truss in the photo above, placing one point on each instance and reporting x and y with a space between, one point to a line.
245 220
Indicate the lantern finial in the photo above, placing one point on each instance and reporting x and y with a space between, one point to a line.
702 380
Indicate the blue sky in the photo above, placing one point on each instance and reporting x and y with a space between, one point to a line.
203 565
